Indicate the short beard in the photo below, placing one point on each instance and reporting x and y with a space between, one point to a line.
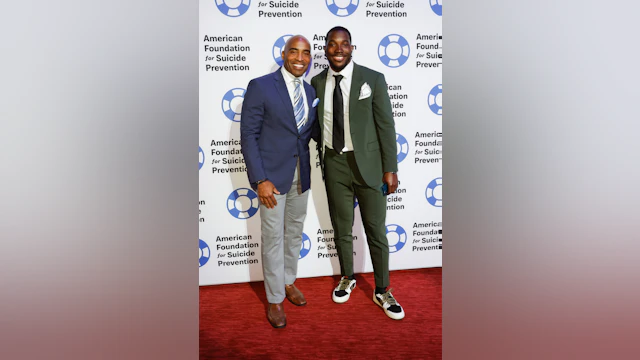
349 59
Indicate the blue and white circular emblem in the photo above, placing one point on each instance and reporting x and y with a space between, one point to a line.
342 8
402 147
436 6
393 50
233 8
278 47
397 237
434 192
205 253
243 203
306 246
232 103
200 158
435 99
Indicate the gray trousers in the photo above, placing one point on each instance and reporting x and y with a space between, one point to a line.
281 229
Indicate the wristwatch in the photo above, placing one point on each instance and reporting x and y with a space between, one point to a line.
260 181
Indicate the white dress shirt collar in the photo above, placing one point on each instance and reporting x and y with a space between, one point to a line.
289 78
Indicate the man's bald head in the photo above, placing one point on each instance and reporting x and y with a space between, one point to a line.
297 55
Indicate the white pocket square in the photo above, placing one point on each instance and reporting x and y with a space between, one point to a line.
365 91
315 102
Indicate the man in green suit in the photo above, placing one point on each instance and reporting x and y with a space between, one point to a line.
357 144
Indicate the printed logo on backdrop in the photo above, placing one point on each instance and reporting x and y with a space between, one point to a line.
233 8
201 218
397 97
342 8
232 104
427 236
428 51
434 192
282 4
243 203
435 99
428 147
227 53
200 158
436 6
205 253
385 9
306 246
402 147
278 48
397 237
393 50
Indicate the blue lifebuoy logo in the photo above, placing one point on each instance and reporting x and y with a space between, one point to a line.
396 236
277 49
342 8
200 158
435 99
243 203
402 147
232 103
306 246
233 8
393 50
205 253
434 192
436 6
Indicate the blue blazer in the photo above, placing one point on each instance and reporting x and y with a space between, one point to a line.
271 144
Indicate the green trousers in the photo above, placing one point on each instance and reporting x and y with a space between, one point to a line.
343 182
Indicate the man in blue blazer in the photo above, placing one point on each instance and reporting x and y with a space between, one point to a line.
275 129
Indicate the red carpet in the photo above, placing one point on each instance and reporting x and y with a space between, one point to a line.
233 322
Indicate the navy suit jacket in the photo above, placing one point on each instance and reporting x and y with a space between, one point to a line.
271 144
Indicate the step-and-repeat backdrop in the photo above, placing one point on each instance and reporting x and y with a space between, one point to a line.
241 40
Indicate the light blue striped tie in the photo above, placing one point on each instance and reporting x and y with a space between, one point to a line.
298 105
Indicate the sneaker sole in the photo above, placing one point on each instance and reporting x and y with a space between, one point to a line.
391 315
343 299
340 300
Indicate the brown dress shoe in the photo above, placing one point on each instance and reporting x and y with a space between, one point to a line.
276 315
294 295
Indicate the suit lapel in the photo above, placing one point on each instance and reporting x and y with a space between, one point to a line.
307 92
354 94
284 96
322 84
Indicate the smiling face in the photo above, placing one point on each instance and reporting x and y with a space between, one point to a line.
296 55
338 49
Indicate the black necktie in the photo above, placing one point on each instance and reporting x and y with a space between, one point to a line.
338 116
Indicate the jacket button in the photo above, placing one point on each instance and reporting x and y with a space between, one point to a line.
296 155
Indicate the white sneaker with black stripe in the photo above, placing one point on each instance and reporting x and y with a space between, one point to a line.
389 304
343 291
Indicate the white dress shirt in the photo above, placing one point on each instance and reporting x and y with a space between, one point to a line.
345 86
289 80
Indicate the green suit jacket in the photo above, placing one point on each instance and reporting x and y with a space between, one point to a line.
371 120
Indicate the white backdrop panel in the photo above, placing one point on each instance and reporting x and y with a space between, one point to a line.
238 39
